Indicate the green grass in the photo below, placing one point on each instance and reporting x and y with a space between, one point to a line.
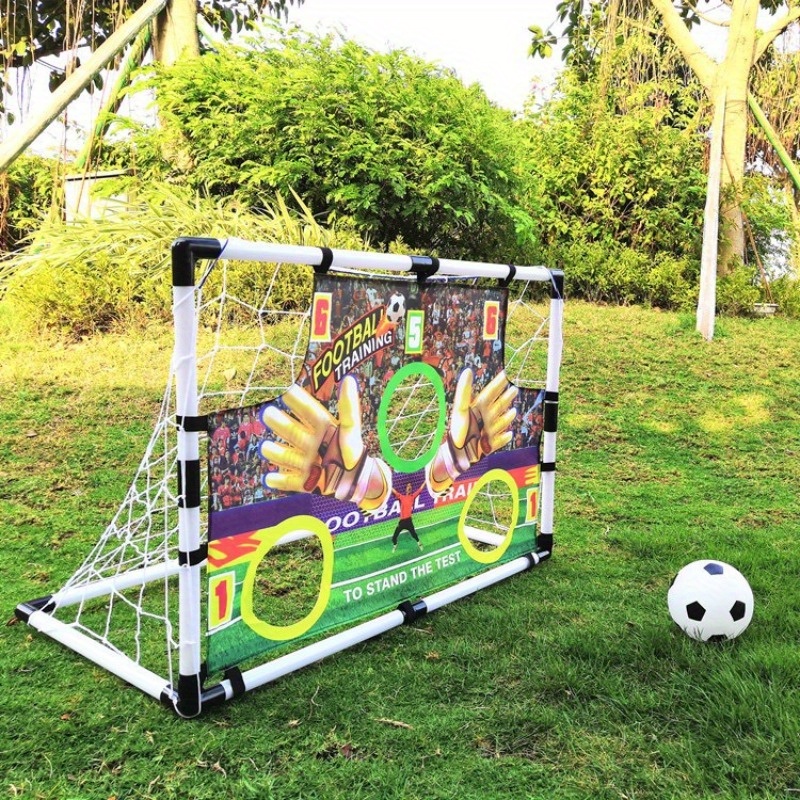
566 682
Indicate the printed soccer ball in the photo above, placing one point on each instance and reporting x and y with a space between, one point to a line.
710 601
396 308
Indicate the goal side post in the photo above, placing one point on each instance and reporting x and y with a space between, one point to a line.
192 552
550 423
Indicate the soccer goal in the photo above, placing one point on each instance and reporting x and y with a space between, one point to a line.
322 470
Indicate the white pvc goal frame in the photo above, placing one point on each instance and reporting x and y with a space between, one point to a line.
183 686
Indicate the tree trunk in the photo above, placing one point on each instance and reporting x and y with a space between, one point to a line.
175 32
735 73
734 136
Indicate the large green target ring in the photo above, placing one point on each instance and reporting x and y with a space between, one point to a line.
416 368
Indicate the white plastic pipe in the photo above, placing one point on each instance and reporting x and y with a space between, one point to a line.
139 577
283 665
474 584
186 405
482 536
240 249
100 654
554 348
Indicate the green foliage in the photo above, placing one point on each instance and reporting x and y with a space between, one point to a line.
611 273
786 293
623 54
590 29
775 84
96 275
737 291
27 195
392 142
770 231
620 197
616 179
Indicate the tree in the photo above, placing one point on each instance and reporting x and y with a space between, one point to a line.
731 78
727 87
31 31
729 82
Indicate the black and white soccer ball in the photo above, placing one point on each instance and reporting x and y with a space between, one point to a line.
710 601
396 308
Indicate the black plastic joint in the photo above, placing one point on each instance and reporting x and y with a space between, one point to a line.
24 610
186 251
192 424
424 266
412 611
325 264
532 561
213 696
550 422
548 466
189 690
512 271
194 557
189 484
544 541
557 285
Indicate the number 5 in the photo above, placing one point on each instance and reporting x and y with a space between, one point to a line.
415 325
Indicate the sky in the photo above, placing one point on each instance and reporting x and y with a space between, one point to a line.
484 42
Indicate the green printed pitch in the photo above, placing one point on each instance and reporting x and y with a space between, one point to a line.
368 577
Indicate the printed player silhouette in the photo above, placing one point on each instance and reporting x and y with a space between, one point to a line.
405 523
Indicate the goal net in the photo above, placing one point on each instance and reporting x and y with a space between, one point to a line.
321 470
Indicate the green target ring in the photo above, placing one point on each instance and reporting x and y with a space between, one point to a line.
423 370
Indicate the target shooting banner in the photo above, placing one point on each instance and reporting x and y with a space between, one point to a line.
401 461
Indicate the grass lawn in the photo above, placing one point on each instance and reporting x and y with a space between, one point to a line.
569 681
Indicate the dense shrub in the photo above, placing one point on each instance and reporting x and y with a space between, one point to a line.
96 275
392 142
612 273
786 293
612 179
27 194
737 291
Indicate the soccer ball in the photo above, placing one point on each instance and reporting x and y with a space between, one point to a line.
710 601
396 308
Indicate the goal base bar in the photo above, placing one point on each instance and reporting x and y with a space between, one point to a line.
106 657
36 613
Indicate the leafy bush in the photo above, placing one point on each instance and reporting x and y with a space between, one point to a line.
611 273
392 142
94 275
770 231
786 293
27 194
616 179
672 282
737 292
